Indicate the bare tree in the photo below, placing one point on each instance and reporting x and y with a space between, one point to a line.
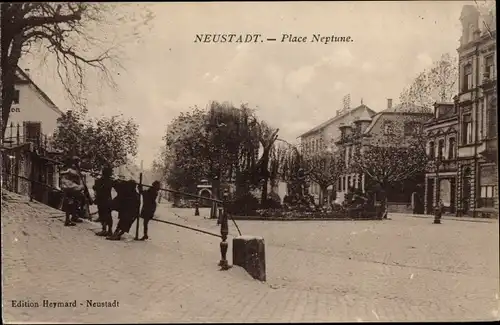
439 83
267 138
386 162
325 168
64 30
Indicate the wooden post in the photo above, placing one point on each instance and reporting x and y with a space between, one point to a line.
18 135
137 219
10 131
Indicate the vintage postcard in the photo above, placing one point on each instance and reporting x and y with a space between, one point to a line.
261 162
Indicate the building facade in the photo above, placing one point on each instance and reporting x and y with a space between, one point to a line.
402 122
441 175
477 174
323 137
26 143
32 108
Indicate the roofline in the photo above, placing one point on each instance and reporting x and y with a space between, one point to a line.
324 124
379 114
44 95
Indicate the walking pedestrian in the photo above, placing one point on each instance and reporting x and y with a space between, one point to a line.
129 202
73 188
149 197
102 188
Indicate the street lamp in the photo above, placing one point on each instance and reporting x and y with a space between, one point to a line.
438 210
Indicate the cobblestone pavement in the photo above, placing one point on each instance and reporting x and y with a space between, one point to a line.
405 269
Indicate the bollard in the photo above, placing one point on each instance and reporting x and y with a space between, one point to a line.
437 215
196 209
138 217
224 231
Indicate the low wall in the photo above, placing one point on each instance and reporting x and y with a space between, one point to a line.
396 207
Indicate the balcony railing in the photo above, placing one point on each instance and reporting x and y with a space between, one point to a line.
16 135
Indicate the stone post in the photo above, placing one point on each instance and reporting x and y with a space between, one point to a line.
224 231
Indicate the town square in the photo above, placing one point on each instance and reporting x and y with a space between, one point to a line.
156 169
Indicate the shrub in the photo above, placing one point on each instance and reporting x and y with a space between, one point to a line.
243 204
273 201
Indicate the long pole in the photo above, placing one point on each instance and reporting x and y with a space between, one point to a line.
137 218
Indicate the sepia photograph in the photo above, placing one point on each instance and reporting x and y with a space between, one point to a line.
249 162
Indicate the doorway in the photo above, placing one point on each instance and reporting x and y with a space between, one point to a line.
430 196
466 190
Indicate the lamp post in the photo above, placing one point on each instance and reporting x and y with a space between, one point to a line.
224 231
438 210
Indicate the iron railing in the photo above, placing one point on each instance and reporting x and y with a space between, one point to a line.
40 192
16 135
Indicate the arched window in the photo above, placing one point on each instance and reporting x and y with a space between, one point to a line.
451 148
467 77
441 149
431 150
492 117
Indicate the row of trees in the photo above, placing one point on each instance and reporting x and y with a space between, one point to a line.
224 143
99 142
227 143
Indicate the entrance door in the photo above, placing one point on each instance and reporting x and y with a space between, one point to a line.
466 190
430 196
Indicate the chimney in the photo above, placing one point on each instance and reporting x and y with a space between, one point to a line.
27 71
389 102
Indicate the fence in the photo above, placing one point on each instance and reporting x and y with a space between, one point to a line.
17 134
53 197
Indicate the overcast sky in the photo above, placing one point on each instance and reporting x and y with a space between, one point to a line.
294 86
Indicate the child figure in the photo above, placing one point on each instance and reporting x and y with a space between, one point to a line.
71 184
149 205
129 204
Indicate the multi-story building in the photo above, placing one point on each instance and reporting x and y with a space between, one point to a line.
477 179
32 119
401 122
32 108
322 137
441 174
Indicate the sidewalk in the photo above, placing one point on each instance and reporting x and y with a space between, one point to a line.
447 217
175 278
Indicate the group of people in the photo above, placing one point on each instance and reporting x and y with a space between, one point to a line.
127 201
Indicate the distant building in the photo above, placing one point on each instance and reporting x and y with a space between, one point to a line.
477 180
323 136
441 176
363 131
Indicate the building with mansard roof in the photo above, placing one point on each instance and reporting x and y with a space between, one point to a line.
477 179
403 121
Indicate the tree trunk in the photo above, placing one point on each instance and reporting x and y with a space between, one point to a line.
263 196
384 206
322 194
8 64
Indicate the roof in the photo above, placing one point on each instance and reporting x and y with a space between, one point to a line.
336 118
40 91
405 108
398 109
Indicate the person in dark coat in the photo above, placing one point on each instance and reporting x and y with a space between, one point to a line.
74 191
149 197
102 188
129 202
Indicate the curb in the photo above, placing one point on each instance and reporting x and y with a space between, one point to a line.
306 219
480 220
